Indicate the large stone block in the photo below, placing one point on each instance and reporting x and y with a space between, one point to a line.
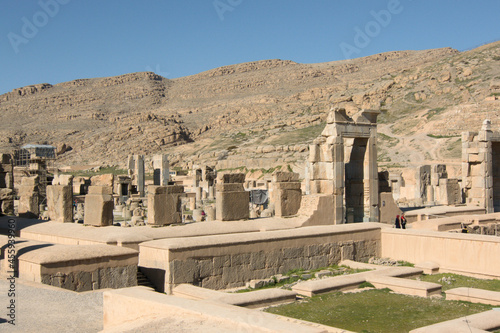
235 187
108 190
287 202
285 177
228 178
232 206
98 209
102 180
60 203
164 204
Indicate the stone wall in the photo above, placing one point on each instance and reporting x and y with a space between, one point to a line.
454 252
80 267
226 261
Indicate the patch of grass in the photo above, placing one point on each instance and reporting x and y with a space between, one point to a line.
454 149
442 136
433 112
104 170
366 284
387 140
301 135
376 311
405 263
457 281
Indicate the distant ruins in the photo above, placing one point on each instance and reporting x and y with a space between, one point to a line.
228 231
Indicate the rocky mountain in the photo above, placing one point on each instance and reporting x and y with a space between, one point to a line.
262 114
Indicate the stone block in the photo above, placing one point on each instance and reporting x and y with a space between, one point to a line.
63 180
169 189
287 202
30 181
287 186
235 187
60 203
228 178
231 206
108 190
102 180
98 209
164 208
285 177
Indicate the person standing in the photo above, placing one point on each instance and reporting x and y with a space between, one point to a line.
397 222
403 221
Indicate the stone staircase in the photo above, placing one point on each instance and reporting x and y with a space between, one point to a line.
142 280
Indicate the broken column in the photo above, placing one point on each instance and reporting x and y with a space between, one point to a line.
60 199
99 206
161 175
136 171
287 194
29 197
164 204
231 198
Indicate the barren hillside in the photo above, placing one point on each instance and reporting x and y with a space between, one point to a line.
264 113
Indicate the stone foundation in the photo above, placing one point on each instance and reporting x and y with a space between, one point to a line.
227 261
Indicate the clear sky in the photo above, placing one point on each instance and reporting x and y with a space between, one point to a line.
55 41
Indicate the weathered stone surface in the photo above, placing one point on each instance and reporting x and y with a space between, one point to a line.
231 206
60 203
228 178
164 204
97 189
98 209
102 180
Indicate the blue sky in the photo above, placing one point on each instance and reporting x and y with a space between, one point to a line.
55 41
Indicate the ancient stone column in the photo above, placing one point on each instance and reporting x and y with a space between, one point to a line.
164 204
60 202
29 197
231 199
287 194
161 174
99 206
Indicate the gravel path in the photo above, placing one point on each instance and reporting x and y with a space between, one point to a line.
48 309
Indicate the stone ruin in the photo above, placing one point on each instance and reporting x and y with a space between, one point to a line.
136 172
232 201
427 185
481 167
286 194
164 204
60 198
6 185
343 163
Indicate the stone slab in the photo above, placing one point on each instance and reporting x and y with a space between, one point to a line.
474 295
405 286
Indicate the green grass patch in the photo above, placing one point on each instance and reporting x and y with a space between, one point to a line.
432 112
386 140
376 310
104 170
434 136
450 281
301 135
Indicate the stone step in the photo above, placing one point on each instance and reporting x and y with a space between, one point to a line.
142 280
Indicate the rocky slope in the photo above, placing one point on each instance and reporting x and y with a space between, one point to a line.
262 114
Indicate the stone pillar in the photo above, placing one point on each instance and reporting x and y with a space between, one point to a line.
371 178
210 213
99 206
198 192
231 199
29 197
161 173
287 193
164 204
139 173
60 203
